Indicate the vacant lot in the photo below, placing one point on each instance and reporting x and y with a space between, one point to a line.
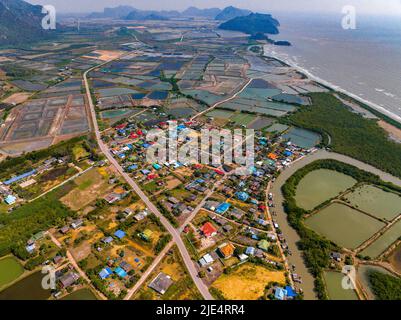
90 186
345 226
248 282
319 186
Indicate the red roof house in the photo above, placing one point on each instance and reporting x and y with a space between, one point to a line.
208 230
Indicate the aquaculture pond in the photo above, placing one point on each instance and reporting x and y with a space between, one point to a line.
10 270
377 202
82 294
363 278
384 241
110 114
29 288
345 226
303 138
334 287
321 185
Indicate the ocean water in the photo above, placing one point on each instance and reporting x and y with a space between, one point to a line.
365 62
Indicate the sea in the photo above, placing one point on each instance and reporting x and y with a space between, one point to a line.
364 62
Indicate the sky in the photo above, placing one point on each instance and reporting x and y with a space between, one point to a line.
379 7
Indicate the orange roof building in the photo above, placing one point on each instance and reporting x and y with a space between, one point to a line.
272 156
226 250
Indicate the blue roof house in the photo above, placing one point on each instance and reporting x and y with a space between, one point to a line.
10 199
105 273
120 272
119 234
223 207
280 293
243 196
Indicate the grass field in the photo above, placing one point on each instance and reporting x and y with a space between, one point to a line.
248 282
321 185
10 270
345 226
377 202
243 119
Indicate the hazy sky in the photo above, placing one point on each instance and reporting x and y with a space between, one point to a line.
363 6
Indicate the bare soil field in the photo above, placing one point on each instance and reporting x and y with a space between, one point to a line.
248 282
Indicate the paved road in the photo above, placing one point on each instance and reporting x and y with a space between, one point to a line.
76 266
61 184
203 289
290 234
148 271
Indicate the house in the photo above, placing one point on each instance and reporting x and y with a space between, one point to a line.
227 228
10 199
243 196
336 256
280 293
263 245
105 273
107 240
127 212
119 234
120 272
69 279
237 213
77 224
126 266
291 294
146 235
226 250
161 283
223 207
57 259
65 229
250 251
141 215
112 197
173 200
211 205
206 260
242 257
208 230
30 248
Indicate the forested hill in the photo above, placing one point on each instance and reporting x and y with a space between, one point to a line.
252 24
20 22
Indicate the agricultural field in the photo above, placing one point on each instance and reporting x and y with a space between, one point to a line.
345 226
321 185
247 282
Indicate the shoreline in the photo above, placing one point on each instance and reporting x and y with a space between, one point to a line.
333 87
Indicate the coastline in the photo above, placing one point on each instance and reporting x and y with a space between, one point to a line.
332 86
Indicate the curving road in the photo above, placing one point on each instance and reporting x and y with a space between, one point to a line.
203 289
290 234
